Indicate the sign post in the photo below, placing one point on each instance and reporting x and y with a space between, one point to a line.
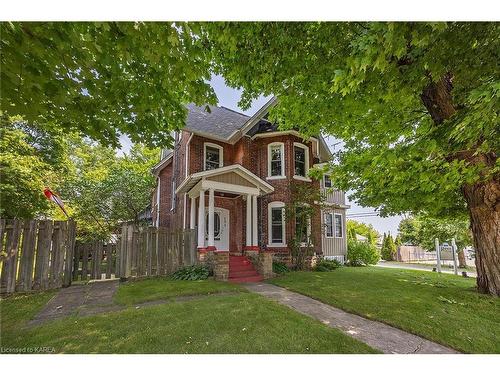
454 252
438 255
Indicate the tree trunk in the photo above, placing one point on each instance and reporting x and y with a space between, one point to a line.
483 197
483 201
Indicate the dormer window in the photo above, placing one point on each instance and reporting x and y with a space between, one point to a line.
301 161
213 156
276 160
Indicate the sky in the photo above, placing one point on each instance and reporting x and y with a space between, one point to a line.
229 98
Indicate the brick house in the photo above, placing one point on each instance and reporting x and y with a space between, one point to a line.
229 176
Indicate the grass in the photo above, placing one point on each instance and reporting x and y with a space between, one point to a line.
135 292
441 307
240 323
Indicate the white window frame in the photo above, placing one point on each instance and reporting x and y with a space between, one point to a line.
306 162
335 225
281 145
172 206
221 154
270 207
326 226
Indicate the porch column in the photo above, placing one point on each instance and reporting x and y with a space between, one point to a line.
211 242
254 221
192 217
201 220
249 221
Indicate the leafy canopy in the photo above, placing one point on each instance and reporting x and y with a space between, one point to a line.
104 79
362 83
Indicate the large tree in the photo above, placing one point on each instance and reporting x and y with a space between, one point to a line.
104 79
415 103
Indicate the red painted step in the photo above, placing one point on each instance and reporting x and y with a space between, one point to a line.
241 270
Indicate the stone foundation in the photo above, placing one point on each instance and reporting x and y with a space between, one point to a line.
221 265
265 264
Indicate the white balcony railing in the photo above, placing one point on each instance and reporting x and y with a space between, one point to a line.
334 196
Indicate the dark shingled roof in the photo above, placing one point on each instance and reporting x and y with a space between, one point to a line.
220 122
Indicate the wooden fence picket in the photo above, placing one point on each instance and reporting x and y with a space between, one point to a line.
76 261
69 253
9 266
42 258
85 260
25 282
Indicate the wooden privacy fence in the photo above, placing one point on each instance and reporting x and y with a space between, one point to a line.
154 251
36 254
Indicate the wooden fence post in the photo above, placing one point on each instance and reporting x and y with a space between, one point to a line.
43 254
9 266
69 253
27 256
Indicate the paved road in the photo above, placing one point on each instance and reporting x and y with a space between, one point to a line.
378 335
420 267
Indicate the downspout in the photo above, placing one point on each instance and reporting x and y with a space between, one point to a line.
158 202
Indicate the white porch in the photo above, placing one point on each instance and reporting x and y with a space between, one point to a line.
234 180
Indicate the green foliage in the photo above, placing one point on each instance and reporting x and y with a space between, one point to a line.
388 251
195 272
326 265
364 82
356 227
105 79
423 229
104 189
30 160
361 254
304 203
280 268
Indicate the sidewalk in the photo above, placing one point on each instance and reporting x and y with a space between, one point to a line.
378 335
421 267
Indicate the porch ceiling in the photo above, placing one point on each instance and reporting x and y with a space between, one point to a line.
231 179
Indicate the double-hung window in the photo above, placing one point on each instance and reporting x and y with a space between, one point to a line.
276 164
338 226
276 224
213 156
329 224
301 161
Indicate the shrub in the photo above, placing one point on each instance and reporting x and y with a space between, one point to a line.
280 268
361 253
196 272
325 265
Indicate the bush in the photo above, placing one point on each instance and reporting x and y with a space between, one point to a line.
280 268
361 254
325 265
196 272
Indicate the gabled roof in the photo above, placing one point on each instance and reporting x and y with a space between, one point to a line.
219 122
194 178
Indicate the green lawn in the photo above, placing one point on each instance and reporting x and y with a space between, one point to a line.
163 288
443 308
239 323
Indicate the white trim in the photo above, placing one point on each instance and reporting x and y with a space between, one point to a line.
255 237
306 162
221 154
271 178
270 206
188 154
271 145
190 183
158 203
341 223
173 196
258 115
161 164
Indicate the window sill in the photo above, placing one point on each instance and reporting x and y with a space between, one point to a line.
275 177
302 178
276 245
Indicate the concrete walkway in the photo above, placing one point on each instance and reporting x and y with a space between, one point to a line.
82 300
377 335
